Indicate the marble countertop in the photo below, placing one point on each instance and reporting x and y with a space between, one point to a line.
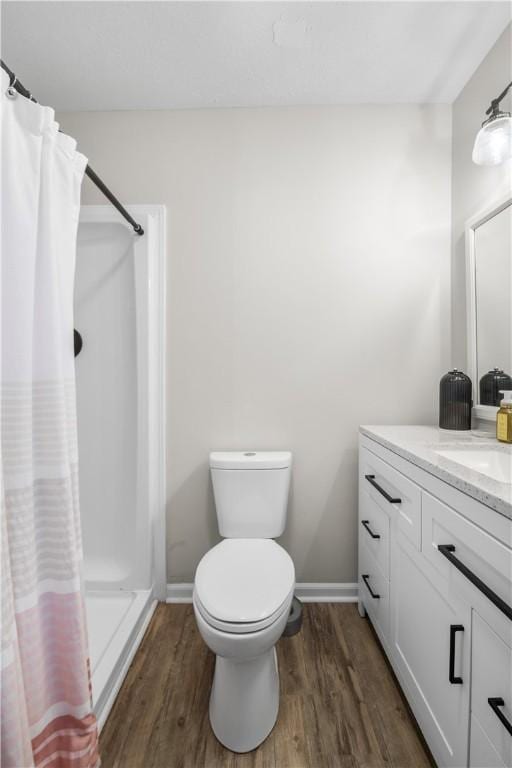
419 445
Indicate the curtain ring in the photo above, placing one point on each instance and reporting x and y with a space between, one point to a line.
11 91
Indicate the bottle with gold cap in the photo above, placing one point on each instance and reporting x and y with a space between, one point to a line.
504 418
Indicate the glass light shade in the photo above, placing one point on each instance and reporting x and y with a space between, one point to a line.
493 143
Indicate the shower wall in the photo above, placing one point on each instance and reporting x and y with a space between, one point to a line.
119 312
110 419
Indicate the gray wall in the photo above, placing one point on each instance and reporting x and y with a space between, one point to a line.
474 187
308 292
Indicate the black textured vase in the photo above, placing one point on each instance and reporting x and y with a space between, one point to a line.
455 401
492 384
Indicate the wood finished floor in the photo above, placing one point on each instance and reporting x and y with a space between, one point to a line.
340 705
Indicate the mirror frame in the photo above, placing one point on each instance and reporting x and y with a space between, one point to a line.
485 412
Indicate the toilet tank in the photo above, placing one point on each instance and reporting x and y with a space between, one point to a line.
251 492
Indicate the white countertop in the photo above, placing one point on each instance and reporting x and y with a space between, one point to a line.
419 445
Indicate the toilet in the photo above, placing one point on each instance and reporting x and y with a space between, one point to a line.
243 590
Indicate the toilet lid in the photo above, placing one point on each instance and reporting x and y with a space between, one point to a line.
244 580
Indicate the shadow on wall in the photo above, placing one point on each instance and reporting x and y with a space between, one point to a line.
196 530
331 527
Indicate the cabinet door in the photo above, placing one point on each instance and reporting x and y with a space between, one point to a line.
481 752
430 645
492 683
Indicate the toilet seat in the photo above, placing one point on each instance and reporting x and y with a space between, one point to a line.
244 585
242 627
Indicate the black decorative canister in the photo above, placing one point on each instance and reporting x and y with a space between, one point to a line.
455 401
492 384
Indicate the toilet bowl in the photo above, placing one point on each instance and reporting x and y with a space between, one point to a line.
243 591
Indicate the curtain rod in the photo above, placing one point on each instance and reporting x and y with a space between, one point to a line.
19 88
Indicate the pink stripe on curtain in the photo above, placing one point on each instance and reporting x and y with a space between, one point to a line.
46 703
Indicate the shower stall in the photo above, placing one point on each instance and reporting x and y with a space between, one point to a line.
120 381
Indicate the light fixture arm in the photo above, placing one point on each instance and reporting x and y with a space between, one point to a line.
493 142
495 103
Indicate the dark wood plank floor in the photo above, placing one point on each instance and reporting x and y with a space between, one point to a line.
340 705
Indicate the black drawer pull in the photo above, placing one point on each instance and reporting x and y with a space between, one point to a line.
365 577
495 705
371 480
447 550
454 680
366 524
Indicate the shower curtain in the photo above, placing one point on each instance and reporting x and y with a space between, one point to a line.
46 710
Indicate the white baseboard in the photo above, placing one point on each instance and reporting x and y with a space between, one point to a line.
330 592
308 592
179 593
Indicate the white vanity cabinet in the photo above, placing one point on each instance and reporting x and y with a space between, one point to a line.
435 578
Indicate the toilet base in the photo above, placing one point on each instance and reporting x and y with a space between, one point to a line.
244 700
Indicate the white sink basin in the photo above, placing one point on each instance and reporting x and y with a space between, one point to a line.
486 461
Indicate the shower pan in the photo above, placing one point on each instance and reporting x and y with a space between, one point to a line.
120 317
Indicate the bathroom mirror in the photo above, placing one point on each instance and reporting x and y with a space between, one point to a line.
489 305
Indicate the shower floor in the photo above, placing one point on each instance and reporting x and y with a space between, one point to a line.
115 621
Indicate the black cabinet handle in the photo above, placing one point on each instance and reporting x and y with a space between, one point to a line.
371 480
495 705
447 550
365 577
366 524
454 680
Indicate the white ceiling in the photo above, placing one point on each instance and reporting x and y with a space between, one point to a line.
160 55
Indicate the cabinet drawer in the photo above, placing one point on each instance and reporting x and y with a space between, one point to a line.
481 752
492 678
393 492
374 530
374 592
480 554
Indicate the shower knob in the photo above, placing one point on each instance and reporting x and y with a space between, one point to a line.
78 342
